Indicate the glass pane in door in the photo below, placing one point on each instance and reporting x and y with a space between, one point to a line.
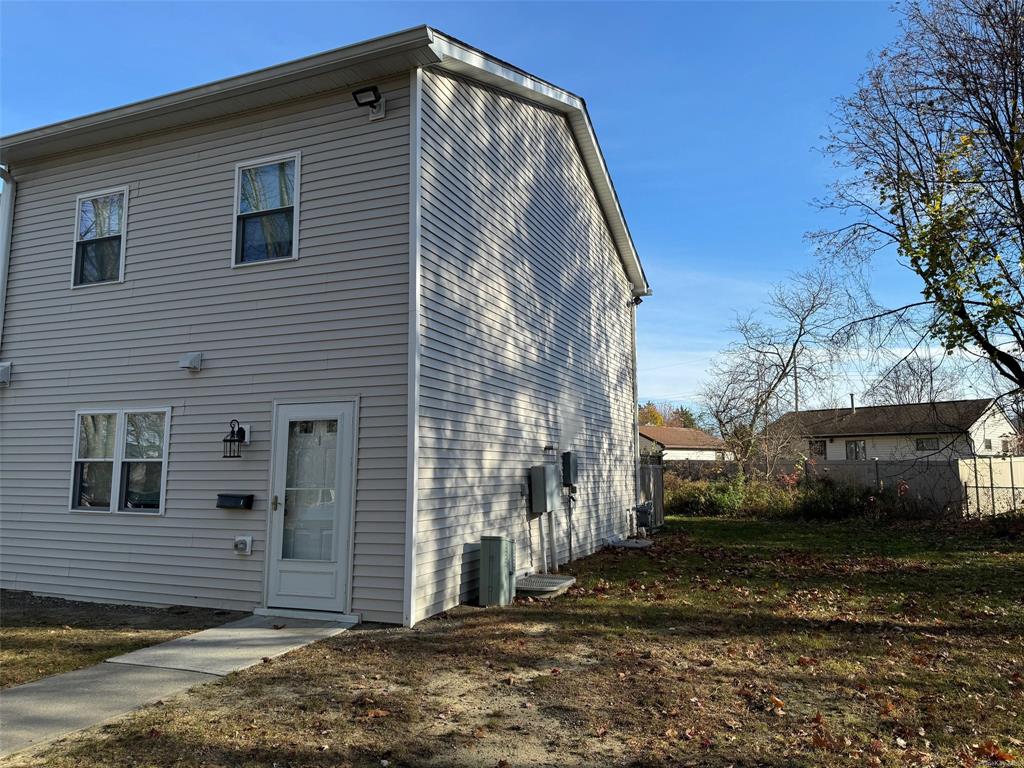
310 496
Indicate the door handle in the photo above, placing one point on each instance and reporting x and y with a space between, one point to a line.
273 504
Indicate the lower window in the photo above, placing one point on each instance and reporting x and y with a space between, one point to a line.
120 460
856 450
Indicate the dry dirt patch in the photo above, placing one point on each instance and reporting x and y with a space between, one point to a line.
728 643
42 636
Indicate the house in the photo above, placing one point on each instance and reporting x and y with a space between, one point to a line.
937 430
682 444
385 281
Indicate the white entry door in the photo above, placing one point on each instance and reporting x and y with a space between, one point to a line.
311 506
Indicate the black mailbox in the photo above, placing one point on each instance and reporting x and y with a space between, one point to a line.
234 500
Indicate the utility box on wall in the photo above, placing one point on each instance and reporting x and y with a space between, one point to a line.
545 489
570 469
497 570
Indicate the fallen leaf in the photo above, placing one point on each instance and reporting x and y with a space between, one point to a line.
992 751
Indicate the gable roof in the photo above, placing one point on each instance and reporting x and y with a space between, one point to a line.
682 437
945 417
341 68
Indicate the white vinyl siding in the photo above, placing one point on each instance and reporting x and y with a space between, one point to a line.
330 326
525 337
988 432
898 447
695 454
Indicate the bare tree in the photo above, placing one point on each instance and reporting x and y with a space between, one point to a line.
915 379
751 383
930 149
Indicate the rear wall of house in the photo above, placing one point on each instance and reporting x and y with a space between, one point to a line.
331 325
896 447
525 338
996 429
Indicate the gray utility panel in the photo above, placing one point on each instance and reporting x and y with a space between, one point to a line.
497 570
545 489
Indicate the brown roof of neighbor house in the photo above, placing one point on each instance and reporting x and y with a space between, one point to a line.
682 437
950 416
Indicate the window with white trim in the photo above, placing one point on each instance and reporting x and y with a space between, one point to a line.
267 210
120 460
99 237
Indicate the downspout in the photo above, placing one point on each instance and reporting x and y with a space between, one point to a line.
6 230
633 304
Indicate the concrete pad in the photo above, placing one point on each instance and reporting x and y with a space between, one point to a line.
38 712
234 646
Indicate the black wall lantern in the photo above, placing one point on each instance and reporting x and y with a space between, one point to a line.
233 441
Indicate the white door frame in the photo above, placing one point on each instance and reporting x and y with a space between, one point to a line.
270 544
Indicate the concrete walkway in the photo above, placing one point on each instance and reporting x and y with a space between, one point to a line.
38 712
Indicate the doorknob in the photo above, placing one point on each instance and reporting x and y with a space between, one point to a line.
273 504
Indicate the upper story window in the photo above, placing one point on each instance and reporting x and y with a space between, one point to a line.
927 443
816 448
266 210
120 462
99 237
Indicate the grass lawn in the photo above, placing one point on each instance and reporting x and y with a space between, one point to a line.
41 636
727 643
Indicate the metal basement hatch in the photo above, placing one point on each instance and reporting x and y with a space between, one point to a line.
543 585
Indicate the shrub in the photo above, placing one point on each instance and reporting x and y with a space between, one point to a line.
729 497
810 499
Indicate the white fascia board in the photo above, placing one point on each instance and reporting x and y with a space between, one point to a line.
462 59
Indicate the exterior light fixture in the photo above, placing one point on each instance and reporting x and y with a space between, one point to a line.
370 97
367 97
233 441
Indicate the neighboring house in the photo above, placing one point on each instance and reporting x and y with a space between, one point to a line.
939 430
682 443
405 303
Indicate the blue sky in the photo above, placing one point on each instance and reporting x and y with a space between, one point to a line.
708 114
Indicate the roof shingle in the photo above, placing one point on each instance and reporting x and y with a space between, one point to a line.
950 416
682 437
